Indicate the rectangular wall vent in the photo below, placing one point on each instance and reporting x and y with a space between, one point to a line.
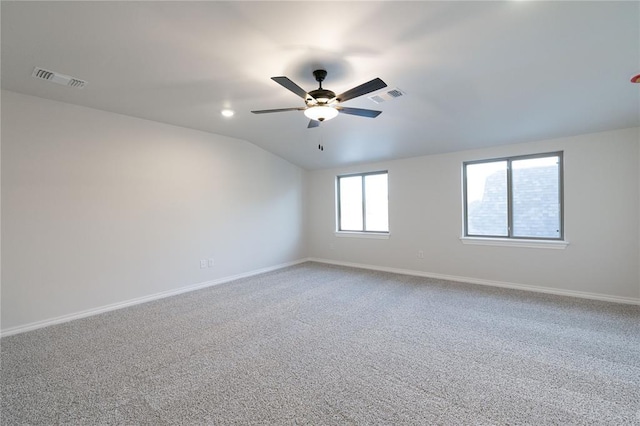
54 77
386 95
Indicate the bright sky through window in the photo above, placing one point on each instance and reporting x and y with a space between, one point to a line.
363 204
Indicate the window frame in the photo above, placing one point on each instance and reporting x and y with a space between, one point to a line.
509 160
339 229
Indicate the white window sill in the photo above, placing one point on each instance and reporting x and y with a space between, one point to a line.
371 235
508 242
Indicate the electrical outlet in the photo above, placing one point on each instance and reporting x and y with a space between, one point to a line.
210 262
203 263
420 254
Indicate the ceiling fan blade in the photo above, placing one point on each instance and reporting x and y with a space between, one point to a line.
288 84
313 123
363 89
359 111
266 111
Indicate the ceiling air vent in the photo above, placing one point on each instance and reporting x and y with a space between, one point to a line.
386 95
58 78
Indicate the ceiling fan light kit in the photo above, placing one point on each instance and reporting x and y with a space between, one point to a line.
321 112
323 104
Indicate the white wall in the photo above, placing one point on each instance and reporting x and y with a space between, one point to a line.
425 213
100 208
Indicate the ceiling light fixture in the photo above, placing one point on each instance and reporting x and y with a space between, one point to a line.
227 112
321 112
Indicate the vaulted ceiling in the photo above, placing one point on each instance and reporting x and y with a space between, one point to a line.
474 74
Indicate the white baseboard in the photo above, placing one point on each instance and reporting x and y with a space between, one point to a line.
198 286
139 300
526 287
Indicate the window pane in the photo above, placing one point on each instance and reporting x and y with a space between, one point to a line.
487 199
536 197
351 203
376 199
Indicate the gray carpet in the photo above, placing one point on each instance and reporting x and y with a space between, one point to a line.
318 344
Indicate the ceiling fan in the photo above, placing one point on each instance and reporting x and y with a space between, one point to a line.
323 104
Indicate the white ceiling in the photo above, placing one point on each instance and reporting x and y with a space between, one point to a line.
475 73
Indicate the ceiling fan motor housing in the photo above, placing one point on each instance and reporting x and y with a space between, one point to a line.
322 96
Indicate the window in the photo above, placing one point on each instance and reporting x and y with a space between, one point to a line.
516 197
363 204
